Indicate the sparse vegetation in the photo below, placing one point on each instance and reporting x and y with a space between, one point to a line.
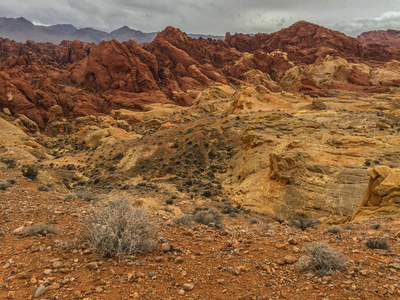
30 172
4 184
12 180
377 243
40 229
376 226
228 209
116 228
254 221
70 196
87 195
324 260
278 219
183 219
209 217
303 223
334 229
169 201
43 188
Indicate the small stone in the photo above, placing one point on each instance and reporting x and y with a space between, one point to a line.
47 271
99 289
19 230
87 251
92 266
179 260
131 277
181 292
39 291
395 265
57 264
281 246
158 259
292 241
33 280
166 247
223 232
289 259
364 272
23 275
54 286
188 286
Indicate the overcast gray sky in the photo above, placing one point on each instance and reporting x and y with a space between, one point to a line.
209 16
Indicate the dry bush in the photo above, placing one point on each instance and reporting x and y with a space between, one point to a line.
4 184
30 172
40 228
304 223
11 181
376 243
43 188
324 260
87 195
334 229
208 217
183 219
376 226
70 197
116 228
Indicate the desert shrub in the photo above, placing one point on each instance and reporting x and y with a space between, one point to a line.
208 217
116 228
254 221
376 243
169 201
40 228
4 184
11 163
87 195
70 196
11 181
376 226
278 219
207 194
334 229
324 260
30 172
304 223
43 188
183 219
227 209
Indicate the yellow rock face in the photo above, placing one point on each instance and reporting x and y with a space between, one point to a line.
382 196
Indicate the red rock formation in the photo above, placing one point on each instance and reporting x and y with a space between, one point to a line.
385 37
87 79
304 42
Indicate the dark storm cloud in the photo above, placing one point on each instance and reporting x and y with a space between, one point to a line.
209 16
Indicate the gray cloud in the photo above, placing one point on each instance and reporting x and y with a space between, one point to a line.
210 16
388 20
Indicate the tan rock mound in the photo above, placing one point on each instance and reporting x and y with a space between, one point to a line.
382 196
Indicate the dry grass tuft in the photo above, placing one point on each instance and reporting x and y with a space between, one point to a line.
116 228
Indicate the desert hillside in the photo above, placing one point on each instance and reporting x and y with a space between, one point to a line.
245 153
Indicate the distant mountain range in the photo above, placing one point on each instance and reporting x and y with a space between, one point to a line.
21 30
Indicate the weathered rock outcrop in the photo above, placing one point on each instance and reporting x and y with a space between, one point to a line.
388 37
303 42
382 196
